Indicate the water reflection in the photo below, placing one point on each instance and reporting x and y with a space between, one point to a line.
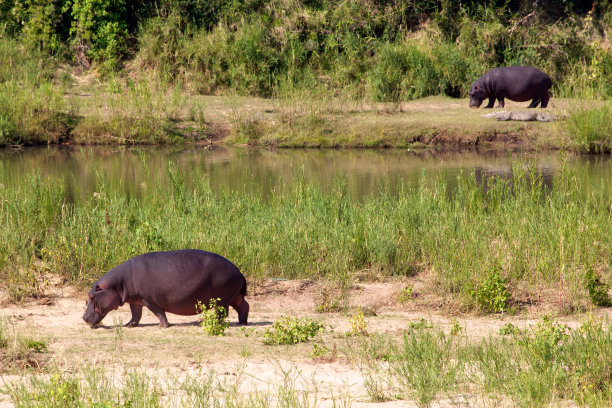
132 170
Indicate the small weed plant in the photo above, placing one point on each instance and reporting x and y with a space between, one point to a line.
405 294
493 294
292 330
421 324
597 289
455 328
509 330
359 325
214 317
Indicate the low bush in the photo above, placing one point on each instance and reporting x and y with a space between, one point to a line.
291 330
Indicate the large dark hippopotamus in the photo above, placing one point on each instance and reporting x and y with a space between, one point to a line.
172 281
518 84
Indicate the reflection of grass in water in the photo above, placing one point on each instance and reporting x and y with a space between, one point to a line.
531 236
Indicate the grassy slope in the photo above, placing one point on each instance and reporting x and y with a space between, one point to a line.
297 122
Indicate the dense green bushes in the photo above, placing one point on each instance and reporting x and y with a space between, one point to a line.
389 50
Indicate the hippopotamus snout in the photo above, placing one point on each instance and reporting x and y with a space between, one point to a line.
477 95
90 316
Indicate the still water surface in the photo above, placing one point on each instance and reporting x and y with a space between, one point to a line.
133 170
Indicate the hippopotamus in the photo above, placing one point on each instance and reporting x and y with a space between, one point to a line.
172 281
517 83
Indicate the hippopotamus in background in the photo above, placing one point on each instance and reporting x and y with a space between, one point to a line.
518 84
172 281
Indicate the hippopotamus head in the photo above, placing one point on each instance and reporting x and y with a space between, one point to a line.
102 299
477 93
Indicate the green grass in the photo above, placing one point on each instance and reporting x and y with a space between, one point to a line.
546 364
590 128
532 236
136 388
32 108
20 352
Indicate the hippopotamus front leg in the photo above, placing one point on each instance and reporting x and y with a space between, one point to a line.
491 102
500 101
136 315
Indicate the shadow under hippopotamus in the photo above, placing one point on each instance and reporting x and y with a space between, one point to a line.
182 324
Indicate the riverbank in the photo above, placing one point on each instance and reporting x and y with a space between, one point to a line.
130 113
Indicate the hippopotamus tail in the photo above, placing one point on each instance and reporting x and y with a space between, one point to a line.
243 290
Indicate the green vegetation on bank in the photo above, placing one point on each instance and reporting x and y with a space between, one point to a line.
154 58
490 246
544 364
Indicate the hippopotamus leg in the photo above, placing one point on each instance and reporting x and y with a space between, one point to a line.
500 100
491 102
159 312
534 103
545 99
242 307
136 315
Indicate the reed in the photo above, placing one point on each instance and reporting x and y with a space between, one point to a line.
520 232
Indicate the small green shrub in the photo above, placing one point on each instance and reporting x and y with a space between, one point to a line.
214 317
493 294
359 325
509 330
405 294
544 340
421 324
598 290
292 330
455 328
39 346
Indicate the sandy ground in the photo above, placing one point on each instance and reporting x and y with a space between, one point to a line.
183 349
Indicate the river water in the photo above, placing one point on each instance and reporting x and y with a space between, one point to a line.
134 170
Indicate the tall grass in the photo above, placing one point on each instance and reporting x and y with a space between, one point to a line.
590 128
32 108
531 236
133 112
542 365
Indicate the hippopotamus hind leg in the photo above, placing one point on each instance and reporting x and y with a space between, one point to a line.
534 102
545 99
160 313
242 307
500 101
136 315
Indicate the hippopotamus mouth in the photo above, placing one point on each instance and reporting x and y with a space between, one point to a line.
475 103
91 317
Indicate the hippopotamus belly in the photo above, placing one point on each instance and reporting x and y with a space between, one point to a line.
518 83
173 281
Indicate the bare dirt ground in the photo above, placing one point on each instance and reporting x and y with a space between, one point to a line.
184 349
